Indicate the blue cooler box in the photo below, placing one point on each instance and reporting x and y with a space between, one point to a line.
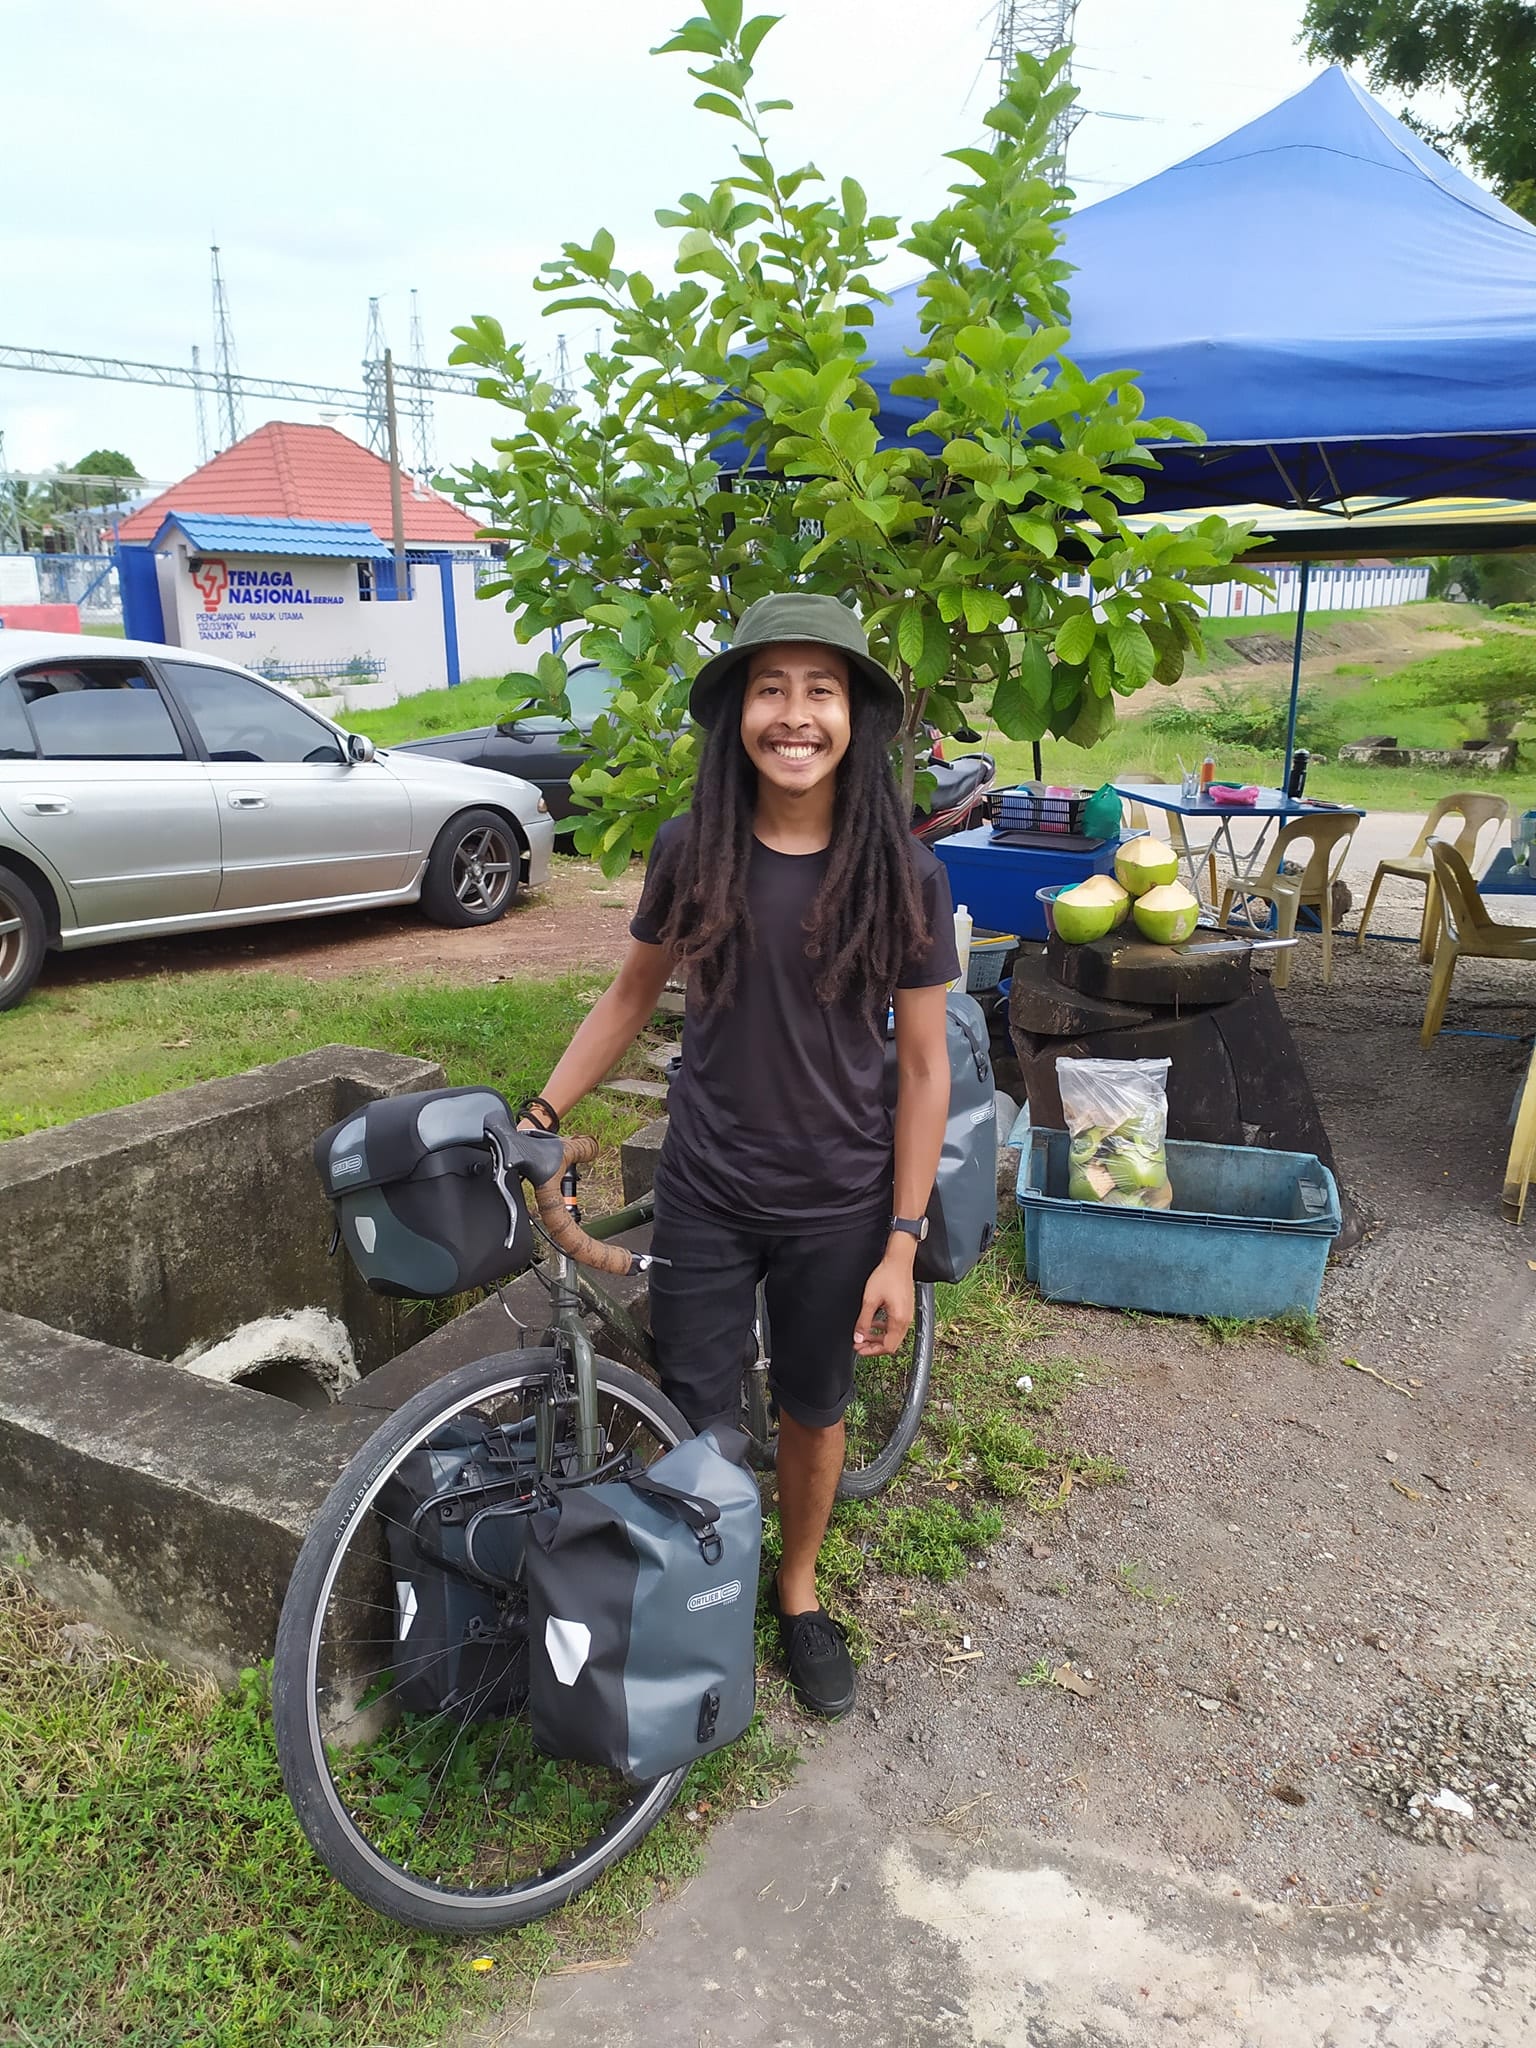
1248 1236
997 884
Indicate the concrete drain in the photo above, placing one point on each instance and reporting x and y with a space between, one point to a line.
304 1356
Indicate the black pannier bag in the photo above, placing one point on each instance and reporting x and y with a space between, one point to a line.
456 1538
962 1210
427 1201
642 1593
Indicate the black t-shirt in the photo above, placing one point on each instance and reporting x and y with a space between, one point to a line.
779 1118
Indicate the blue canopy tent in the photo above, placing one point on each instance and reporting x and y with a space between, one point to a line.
1343 312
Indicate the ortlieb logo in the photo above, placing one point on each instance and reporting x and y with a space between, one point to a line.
350 1164
717 1596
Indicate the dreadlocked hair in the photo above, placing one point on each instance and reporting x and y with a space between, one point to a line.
867 918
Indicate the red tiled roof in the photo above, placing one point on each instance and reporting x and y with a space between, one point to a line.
299 472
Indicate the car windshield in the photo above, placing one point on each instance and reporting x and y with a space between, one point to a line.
589 689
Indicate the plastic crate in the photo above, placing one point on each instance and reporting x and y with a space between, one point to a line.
997 883
1026 808
990 954
1248 1237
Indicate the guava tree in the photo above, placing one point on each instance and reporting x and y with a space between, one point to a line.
725 444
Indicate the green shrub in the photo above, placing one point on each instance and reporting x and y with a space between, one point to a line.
1230 715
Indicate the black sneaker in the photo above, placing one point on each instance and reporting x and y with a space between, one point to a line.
815 1649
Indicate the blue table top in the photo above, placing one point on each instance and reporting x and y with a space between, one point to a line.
1504 878
1271 803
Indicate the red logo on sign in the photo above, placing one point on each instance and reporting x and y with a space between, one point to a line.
211 580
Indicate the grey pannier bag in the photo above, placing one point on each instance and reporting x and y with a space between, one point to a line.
642 1594
962 1210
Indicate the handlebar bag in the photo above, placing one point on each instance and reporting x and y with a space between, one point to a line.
425 1198
642 1593
962 1210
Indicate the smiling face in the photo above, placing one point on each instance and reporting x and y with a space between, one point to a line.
795 714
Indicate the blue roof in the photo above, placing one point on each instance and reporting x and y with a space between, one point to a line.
229 533
1343 312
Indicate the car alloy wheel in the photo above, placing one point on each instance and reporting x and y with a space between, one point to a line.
484 864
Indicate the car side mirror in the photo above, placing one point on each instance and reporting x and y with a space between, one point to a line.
359 749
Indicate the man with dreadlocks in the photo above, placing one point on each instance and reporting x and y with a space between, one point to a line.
801 909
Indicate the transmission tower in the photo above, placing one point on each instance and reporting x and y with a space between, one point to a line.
421 405
225 367
564 389
203 450
1042 27
376 417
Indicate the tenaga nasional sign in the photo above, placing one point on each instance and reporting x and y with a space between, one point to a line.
236 598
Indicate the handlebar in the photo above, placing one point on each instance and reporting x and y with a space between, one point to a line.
542 1158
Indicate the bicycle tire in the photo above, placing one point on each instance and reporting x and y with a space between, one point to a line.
900 1414
315 1676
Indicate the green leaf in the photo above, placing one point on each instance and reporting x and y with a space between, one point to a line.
1035 672
754 31
1014 712
1134 654
725 14
717 103
698 38
1075 637
909 635
1038 534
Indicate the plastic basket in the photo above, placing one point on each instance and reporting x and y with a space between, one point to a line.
1248 1237
1027 808
990 953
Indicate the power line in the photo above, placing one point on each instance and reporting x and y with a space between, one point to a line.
224 357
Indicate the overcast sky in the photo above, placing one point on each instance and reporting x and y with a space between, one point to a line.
342 148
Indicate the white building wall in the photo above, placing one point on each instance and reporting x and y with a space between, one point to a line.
263 610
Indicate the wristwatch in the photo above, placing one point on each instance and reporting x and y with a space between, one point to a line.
917 1228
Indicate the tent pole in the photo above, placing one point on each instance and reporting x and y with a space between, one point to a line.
1301 620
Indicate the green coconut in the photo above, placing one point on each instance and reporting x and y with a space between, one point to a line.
1146 863
1089 910
1166 915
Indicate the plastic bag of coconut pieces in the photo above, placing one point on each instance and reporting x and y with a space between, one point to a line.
1117 1125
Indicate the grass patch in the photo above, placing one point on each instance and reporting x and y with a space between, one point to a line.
1297 1330
155 1888
72 1051
479 700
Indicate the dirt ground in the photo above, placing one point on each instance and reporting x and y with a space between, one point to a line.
1310 1579
578 919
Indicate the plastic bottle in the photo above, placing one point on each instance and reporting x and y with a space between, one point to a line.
962 944
1300 761
1207 773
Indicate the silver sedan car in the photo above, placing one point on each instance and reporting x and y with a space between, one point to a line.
146 790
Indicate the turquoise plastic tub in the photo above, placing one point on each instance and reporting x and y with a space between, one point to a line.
1248 1236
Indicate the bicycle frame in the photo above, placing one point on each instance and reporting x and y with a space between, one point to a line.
574 1293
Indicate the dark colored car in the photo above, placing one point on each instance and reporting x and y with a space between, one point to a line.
542 751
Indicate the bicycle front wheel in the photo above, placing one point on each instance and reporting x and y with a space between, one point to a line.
442 1815
886 1412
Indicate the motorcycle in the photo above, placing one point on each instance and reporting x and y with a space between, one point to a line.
958 799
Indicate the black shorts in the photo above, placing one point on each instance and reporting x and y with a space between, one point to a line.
702 1306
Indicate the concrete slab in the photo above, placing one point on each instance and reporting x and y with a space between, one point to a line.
816 1925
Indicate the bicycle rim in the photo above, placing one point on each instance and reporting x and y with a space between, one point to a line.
448 1820
886 1411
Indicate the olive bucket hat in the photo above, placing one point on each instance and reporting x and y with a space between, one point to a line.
797 615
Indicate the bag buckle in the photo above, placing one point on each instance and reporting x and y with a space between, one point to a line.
711 1544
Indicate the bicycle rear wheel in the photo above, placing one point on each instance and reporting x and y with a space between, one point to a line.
450 1821
886 1412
